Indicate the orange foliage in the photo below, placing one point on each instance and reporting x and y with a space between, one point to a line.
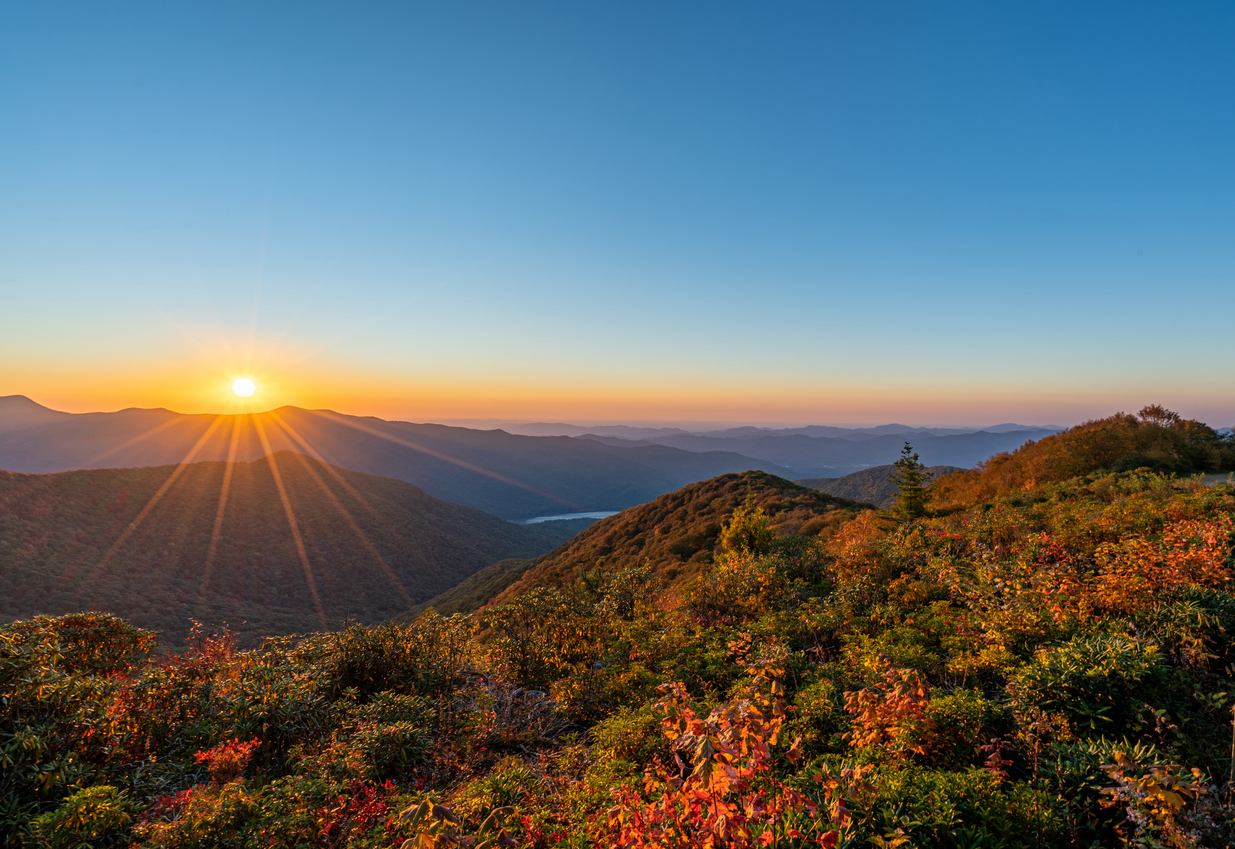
1190 552
724 793
892 712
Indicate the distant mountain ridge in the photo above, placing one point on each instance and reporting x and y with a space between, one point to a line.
18 411
503 472
834 456
634 432
507 475
153 544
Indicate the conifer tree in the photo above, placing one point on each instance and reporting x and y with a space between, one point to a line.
910 478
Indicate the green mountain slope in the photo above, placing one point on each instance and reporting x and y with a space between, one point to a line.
677 533
357 546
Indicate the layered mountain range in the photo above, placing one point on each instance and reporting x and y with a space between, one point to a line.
508 475
551 469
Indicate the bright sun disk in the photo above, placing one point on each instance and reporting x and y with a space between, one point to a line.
244 387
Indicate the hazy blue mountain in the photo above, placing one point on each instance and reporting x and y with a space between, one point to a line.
829 457
18 412
560 429
507 475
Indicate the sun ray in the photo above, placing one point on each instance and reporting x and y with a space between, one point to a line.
334 473
301 552
343 482
216 532
338 419
343 511
132 526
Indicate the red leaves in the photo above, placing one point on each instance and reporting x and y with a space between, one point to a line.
227 760
724 793
891 712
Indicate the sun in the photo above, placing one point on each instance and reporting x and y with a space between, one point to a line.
244 387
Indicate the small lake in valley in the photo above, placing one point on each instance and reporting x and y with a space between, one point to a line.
598 514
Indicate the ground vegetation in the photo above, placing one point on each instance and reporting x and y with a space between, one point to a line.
1047 666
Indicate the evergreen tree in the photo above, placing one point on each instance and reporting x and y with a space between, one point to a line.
910 478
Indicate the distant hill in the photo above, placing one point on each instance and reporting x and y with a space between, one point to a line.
18 411
363 547
869 485
514 477
855 433
810 455
677 533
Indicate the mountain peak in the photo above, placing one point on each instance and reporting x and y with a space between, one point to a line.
18 411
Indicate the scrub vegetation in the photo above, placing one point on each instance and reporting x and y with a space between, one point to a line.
1036 653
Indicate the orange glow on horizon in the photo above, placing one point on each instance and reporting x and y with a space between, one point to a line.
665 398
449 400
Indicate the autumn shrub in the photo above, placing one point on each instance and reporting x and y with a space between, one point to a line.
630 736
371 751
57 678
378 740
819 716
227 760
1092 679
891 715
963 722
270 695
740 587
90 643
540 637
204 817
1187 554
723 788
170 709
1192 627
953 810
365 659
97 816
512 783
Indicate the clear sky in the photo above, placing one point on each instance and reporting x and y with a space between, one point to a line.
933 213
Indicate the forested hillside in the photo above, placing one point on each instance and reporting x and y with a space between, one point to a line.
162 548
1049 665
678 534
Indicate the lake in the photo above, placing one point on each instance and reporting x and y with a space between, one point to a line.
598 514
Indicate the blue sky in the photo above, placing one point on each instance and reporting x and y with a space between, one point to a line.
935 213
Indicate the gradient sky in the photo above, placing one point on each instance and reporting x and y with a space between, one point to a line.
933 213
